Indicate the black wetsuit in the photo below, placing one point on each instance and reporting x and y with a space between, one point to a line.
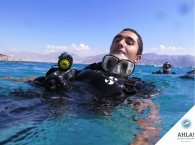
93 78
132 85
160 72
105 87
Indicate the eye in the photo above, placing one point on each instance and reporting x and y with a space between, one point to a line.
129 41
117 39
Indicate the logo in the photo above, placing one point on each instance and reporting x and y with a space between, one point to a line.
185 135
186 123
111 80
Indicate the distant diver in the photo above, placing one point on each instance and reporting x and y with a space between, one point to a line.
166 67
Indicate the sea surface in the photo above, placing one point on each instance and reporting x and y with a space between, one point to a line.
27 118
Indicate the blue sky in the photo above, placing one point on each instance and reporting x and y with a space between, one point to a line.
87 27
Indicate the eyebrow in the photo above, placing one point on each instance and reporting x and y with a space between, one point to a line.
118 36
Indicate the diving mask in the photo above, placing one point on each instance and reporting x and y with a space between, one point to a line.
166 65
118 64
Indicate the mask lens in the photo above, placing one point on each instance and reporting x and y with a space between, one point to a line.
109 62
114 65
127 67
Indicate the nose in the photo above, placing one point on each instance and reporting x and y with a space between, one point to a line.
122 43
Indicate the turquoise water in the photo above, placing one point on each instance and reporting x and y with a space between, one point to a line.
28 118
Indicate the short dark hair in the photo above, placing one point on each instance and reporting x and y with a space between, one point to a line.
140 42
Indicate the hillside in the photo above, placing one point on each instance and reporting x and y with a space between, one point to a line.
147 58
4 57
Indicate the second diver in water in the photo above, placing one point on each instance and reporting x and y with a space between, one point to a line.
166 69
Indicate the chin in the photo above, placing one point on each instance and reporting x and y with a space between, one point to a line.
120 55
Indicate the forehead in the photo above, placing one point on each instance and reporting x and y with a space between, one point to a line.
127 34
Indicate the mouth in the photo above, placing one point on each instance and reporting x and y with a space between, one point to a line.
119 52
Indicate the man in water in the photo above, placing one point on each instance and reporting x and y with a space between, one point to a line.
126 50
166 69
108 77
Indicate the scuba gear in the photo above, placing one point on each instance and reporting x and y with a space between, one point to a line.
64 64
57 76
65 61
59 80
108 85
105 84
93 87
115 64
107 79
55 81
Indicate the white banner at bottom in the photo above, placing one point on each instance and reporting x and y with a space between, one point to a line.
182 133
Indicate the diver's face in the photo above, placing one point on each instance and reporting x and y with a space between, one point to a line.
166 70
125 43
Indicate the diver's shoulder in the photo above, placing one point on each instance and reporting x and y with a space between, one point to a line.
133 85
160 72
132 79
51 70
39 81
94 66
140 88
157 72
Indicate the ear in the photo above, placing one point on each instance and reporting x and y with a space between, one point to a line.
138 58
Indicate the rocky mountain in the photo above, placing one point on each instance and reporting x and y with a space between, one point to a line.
152 58
4 57
37 57
175 60
147 58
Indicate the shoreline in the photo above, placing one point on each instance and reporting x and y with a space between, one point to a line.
26 61
138 64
